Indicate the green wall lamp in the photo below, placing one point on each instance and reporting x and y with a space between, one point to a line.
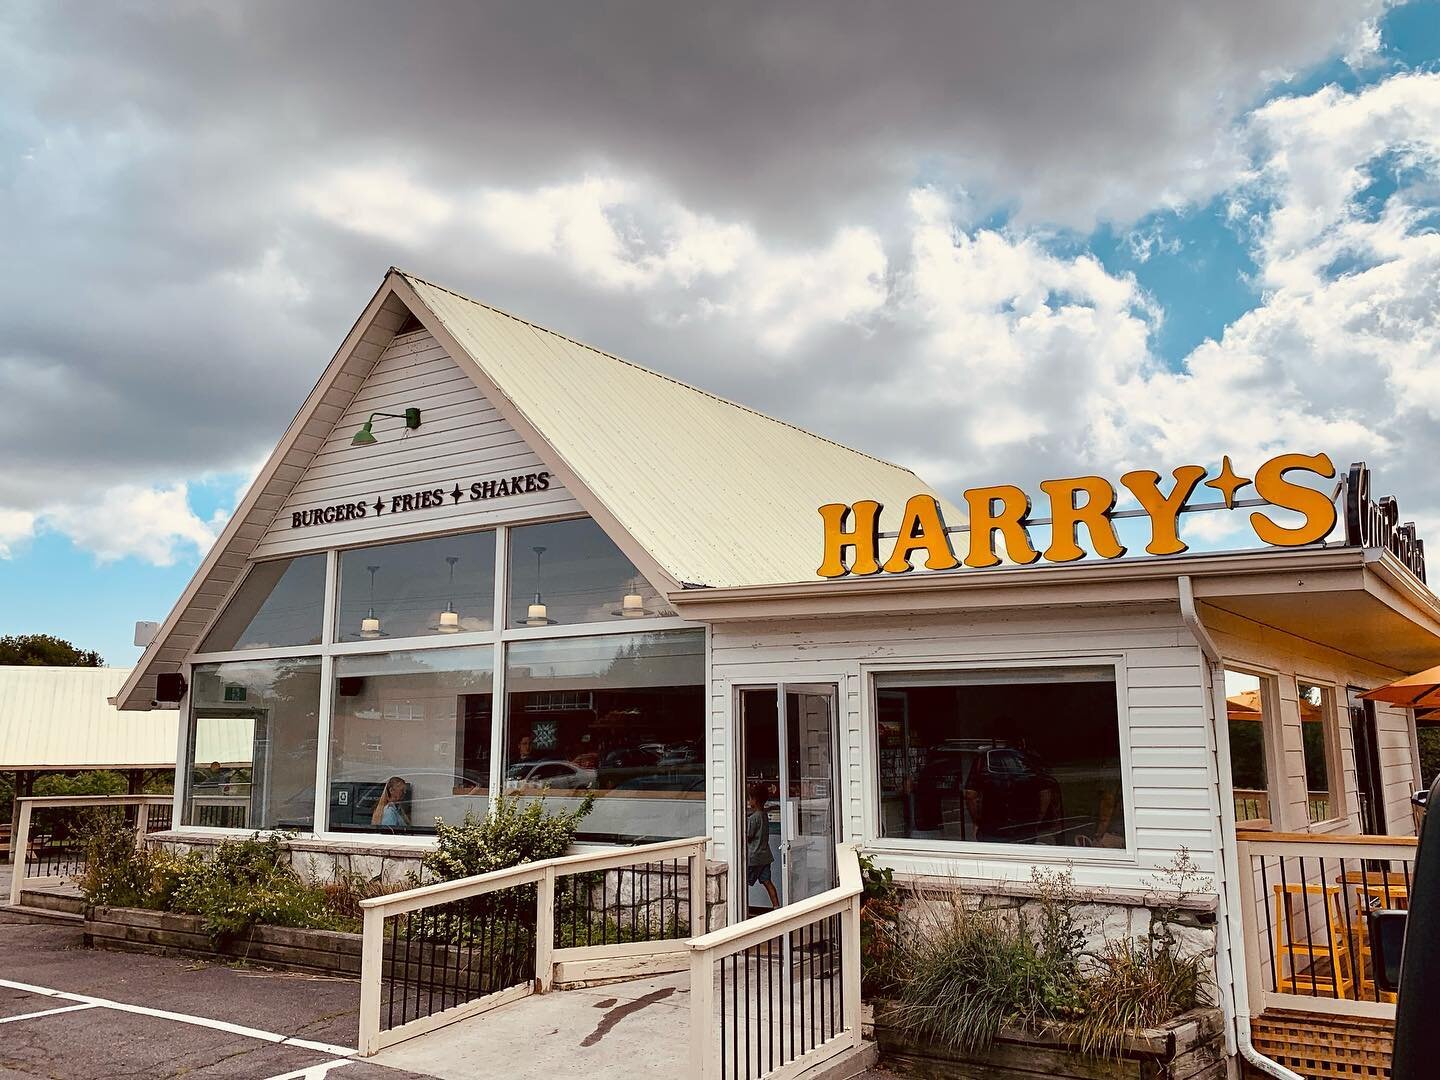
363 437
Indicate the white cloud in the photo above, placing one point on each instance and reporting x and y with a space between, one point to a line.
16 527
153 524
622 235
381 200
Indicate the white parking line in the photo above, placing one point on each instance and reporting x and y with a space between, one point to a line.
47 1012
314 1072
184 1018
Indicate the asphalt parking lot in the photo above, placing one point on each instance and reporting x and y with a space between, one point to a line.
70 1013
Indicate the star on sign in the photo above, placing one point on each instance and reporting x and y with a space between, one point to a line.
456 493
1228 482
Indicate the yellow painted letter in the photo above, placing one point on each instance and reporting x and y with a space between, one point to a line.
1272 486
864 538
1164 512
1009 520
1094 513
922 528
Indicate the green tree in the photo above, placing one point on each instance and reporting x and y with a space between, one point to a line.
35 650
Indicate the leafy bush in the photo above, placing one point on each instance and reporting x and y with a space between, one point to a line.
116 873
248 882
879 920
515 831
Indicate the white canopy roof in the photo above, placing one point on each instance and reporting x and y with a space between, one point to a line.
61 718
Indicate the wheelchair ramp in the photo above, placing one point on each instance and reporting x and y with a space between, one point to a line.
621 1031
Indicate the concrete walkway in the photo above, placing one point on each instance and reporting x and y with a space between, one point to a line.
615 1032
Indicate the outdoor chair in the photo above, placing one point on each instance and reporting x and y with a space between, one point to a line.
1328 969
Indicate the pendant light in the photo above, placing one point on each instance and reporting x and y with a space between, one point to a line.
537 614
370 625
450 618
632 604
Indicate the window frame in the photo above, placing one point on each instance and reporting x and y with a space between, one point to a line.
1334 757
1272 742
329 649
971 850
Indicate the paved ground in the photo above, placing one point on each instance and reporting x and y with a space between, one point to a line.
70 1013
122 1038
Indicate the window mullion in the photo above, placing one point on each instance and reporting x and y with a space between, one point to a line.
322 744
498 710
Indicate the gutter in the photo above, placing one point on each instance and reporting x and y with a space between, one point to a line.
1234 992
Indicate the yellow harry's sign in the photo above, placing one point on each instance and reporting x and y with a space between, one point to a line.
1082 501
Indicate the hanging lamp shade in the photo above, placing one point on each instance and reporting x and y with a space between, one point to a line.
363 437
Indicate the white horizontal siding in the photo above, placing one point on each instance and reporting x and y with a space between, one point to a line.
461 439
1163 718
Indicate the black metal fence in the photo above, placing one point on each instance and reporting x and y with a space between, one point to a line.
449 954
781 998
1313 920
54 844
645 902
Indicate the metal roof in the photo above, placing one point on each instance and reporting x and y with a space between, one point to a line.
61 718
716 493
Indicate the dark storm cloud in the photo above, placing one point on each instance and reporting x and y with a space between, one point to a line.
169 300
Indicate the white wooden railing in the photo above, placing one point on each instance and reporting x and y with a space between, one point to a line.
459 948
779 994
45 841
1305 901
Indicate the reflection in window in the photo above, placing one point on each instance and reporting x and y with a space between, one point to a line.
417 588
280 604
620 716
1315 710
1245 715
410 740
571 572
254 729
1013 757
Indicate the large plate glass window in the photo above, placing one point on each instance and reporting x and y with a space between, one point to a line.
1317 712
571 572
1247 714
410 739
254 729
417 588
280 604
1002 757
622 717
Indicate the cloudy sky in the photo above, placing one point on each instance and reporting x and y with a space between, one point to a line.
991 242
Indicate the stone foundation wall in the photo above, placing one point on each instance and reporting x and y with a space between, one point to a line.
651 893
1188 920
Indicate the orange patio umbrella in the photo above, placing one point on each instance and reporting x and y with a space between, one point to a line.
1420 691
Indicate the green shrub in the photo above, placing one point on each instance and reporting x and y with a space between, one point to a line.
514 832
879 920
117 874
248 882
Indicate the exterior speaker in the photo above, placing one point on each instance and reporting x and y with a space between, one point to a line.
170 688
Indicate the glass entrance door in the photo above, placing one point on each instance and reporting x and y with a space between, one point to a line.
787 739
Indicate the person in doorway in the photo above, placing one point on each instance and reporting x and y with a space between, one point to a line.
758 858
390 812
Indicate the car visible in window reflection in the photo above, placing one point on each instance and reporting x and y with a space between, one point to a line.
976 789
546 774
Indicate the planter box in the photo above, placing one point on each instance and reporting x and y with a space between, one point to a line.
323 952
1190 1047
